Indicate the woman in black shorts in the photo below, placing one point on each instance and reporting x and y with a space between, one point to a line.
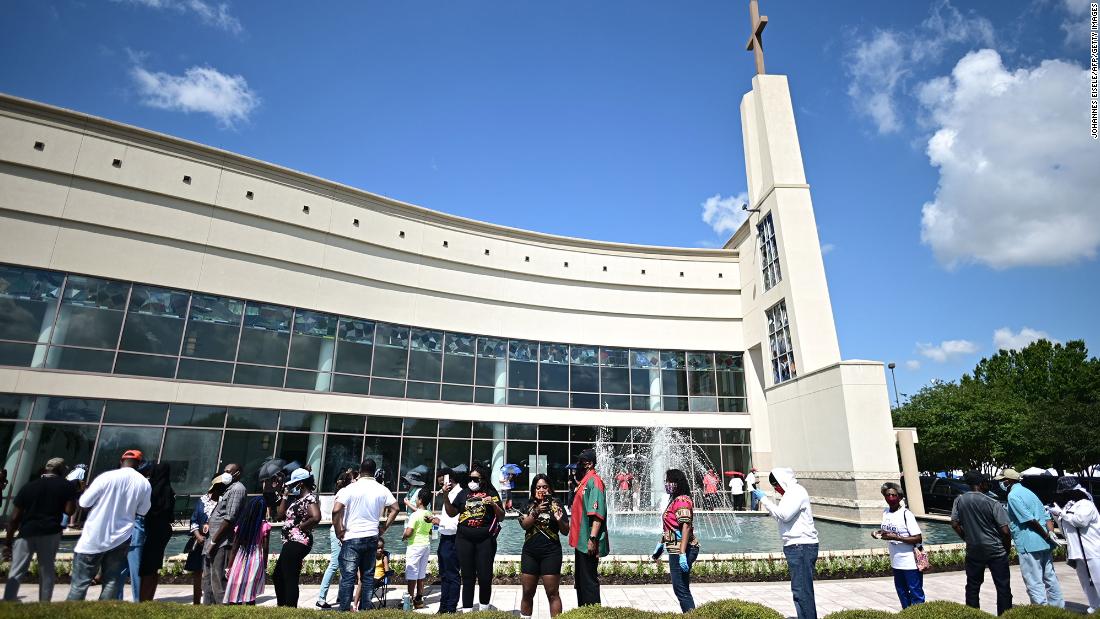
544 521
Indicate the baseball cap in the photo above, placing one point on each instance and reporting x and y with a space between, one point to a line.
214 482
299 475
974 478
55 463
588 455
1010 474
132 454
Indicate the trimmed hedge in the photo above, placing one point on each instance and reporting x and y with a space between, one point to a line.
1039 612
861 613
734 609
943 610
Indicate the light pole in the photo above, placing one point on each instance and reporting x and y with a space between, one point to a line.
894 378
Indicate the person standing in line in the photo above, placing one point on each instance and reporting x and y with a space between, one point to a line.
39 506
451 583
982 522
158 529
678 536
622 486
301 510
506 484
356 512
479 513
541 557
1031 527
418 540
216 550
588 530
246 575
796 528
416 486
346 478
204 506
899 527
114 499
571 485
710 489
1077 515
750 485
737 492
77 477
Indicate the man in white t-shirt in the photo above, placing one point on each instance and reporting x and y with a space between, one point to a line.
750 485
737 491
114 499
450 583
356 511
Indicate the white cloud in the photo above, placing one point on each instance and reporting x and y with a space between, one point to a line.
1018 183
200 89
881 66
912 364
1005 339
1076 22
947 349
827 248
216 15
724 215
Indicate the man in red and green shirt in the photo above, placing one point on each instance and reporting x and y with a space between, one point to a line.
588 529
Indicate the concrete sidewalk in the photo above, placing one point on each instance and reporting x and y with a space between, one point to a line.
832 595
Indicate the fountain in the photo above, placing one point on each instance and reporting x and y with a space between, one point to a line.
645 455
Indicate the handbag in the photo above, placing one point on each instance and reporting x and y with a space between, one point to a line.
919 554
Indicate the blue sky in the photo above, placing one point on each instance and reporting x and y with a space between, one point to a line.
947 144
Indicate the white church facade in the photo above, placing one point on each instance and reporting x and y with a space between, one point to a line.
206 307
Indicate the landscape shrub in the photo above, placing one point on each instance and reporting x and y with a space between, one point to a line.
1034 611
943 610
609 612
861 614
734 609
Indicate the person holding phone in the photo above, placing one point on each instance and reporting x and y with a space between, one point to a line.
544 521
478 509
450 585
899 527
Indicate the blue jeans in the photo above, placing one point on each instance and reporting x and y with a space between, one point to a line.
356 554
910 586
681 581
133 564
451 584
1037 568
86 566
800 563
333 565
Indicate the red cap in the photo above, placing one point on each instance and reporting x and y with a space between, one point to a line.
132 454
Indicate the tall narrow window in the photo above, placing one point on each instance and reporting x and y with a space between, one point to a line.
769 252
779 338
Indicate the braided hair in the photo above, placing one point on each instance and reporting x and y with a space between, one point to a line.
251 523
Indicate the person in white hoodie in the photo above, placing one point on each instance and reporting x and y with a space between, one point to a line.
796 528
1080 522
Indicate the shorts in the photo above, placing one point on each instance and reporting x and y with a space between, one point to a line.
416 561
540 562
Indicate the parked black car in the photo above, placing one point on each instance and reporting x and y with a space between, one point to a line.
940 493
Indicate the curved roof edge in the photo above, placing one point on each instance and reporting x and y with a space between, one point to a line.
223 157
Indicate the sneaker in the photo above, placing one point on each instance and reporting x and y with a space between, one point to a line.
418 603
486 607
323 605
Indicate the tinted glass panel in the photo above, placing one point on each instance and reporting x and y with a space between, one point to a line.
701 383
615 402
356 346
426 356
518 397
615 380
383 451
209 371
553 433
201 416
485 395
487 429
14 406
192 456
145 365
703 405
341 453
420 427
249 450
584 378
735 436
213 328
455 429
259 375
74 440
524 431
523 374
676 404
387 388
583 435
342 383
154 322
556 399
266 335
731 383
585 400
457 393
16 354
252 418
352 424
453 453
384 425
91 312
302 421
391 352
314 343
673 382
67 409
554 377
458 363
645 382
422 391
114 440
305 449
313 381
28 299
80 359
149 413
732 405
729 361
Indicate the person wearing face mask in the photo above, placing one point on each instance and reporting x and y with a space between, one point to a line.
215 551
982 522
899 527
1031 527
302 512
544 521
1080 521
678 536
796 528
479 513
588 529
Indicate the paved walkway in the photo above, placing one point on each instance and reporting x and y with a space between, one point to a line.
832 595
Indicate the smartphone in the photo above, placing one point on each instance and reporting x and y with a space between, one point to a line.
658 552
446 479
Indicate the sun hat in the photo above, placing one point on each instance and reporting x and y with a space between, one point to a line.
298 476
1009 474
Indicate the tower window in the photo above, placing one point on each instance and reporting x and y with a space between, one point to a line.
769 252
779 339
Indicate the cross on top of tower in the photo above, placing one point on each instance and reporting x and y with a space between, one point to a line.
756 43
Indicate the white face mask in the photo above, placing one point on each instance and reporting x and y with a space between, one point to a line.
473 485
227 478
